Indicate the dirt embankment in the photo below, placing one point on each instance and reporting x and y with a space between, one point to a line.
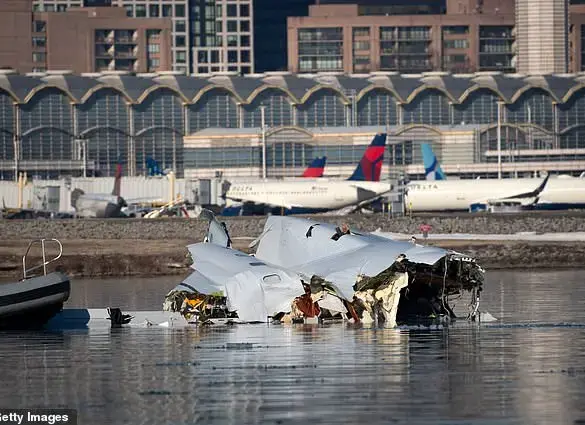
93 248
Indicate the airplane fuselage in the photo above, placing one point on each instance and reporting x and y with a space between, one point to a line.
458 195
98 206
313 194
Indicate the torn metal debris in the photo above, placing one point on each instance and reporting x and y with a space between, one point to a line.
304 270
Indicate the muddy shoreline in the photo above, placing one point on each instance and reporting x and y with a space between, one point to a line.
86 258
154 247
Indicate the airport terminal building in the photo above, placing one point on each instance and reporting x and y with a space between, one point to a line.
57 124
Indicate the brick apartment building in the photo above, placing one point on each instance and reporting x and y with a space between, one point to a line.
464 36
84 39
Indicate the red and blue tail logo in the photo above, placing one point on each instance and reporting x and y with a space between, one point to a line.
370 166
316 168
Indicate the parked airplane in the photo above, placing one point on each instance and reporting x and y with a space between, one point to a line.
558 193
100 205
307 195
433 169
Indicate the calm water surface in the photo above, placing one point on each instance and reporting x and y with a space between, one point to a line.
526 368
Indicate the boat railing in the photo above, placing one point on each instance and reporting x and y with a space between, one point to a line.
42 242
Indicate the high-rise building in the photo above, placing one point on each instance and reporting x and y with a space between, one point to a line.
175 10
542 31
223 38
16 35
361 37
81 40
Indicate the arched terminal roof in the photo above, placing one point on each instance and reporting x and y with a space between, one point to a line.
298 87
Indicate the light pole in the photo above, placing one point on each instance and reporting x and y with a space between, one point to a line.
499 136
263 130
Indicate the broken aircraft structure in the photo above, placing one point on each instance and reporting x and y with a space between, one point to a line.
305 271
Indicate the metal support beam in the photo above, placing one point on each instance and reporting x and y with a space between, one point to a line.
263 130
499 136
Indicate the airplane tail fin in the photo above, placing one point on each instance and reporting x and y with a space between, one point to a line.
370 166
75 194
117 179
217 231
153 167
316 167
433 169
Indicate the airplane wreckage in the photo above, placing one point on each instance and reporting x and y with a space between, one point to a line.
304 271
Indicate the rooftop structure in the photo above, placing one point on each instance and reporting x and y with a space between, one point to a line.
59 123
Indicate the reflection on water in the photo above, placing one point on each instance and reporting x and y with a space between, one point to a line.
528 368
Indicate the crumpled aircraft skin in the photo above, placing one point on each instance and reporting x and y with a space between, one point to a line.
303 269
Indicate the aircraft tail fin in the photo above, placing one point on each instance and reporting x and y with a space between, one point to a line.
117 179
217 231
316 167
370 166
75 194
433 169
153 167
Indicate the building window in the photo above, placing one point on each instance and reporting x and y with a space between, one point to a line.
39 57
39 26
232 26
232 10
245 56
232 56
129 10
232 69
203 69
180 26
244 40
218 26
61 8
167 10
320 49
244 26
154 48
214 56
232 40
180 57
361 32
244 10
361 45
140 11
153 11
202 56
153 64
460 29
180 10
245 70
39 42
456 44
180 41
39 69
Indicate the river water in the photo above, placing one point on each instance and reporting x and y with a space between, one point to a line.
526 368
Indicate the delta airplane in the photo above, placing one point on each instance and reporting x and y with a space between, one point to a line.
306 196
556 193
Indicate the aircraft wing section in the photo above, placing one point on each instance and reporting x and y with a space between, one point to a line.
526 196
532 194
